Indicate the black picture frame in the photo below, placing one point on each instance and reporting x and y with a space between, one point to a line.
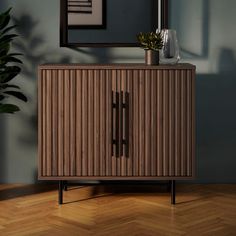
64 27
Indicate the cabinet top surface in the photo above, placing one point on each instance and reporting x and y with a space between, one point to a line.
132 66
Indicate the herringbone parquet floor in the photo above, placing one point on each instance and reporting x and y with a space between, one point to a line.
201 210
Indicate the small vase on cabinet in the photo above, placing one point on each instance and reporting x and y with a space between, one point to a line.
169 54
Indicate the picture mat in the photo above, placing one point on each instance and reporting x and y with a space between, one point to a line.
88 19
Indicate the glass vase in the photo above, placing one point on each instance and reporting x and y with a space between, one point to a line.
169 54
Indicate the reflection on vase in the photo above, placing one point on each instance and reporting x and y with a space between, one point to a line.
170 51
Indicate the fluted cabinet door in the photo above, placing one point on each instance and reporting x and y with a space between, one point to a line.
162 122
74 123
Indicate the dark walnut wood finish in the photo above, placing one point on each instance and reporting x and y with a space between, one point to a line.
116 121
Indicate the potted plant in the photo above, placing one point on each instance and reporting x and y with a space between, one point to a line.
151 42
8 66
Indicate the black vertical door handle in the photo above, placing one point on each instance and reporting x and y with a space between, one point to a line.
122 106
115 124
124 135
126 124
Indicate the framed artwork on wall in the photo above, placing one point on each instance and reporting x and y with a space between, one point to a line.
85 14
112 23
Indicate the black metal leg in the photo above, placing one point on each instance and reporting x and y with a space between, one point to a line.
173 192
60 192
65 185
169 186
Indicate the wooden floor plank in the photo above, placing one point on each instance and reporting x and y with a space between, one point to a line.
118 210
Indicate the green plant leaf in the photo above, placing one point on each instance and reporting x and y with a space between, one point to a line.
4 48
7 59
17 94
8 37
150 40
4 86
15 54
4 20
3 52
8 108
9 73
5 43
8 29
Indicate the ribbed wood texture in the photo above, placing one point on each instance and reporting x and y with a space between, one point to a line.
75 126
75 123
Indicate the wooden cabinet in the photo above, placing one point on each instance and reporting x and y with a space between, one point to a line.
114 122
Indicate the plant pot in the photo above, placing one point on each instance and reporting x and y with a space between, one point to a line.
151 57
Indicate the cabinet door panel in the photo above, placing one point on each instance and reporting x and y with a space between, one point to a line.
75 123
161 122
138 84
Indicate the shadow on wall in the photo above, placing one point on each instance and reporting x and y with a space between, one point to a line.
216 122
2 130
197 26
100 55
2 149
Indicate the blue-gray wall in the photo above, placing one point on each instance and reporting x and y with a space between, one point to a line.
207 37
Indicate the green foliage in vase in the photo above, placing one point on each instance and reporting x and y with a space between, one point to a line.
150 40
9 68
